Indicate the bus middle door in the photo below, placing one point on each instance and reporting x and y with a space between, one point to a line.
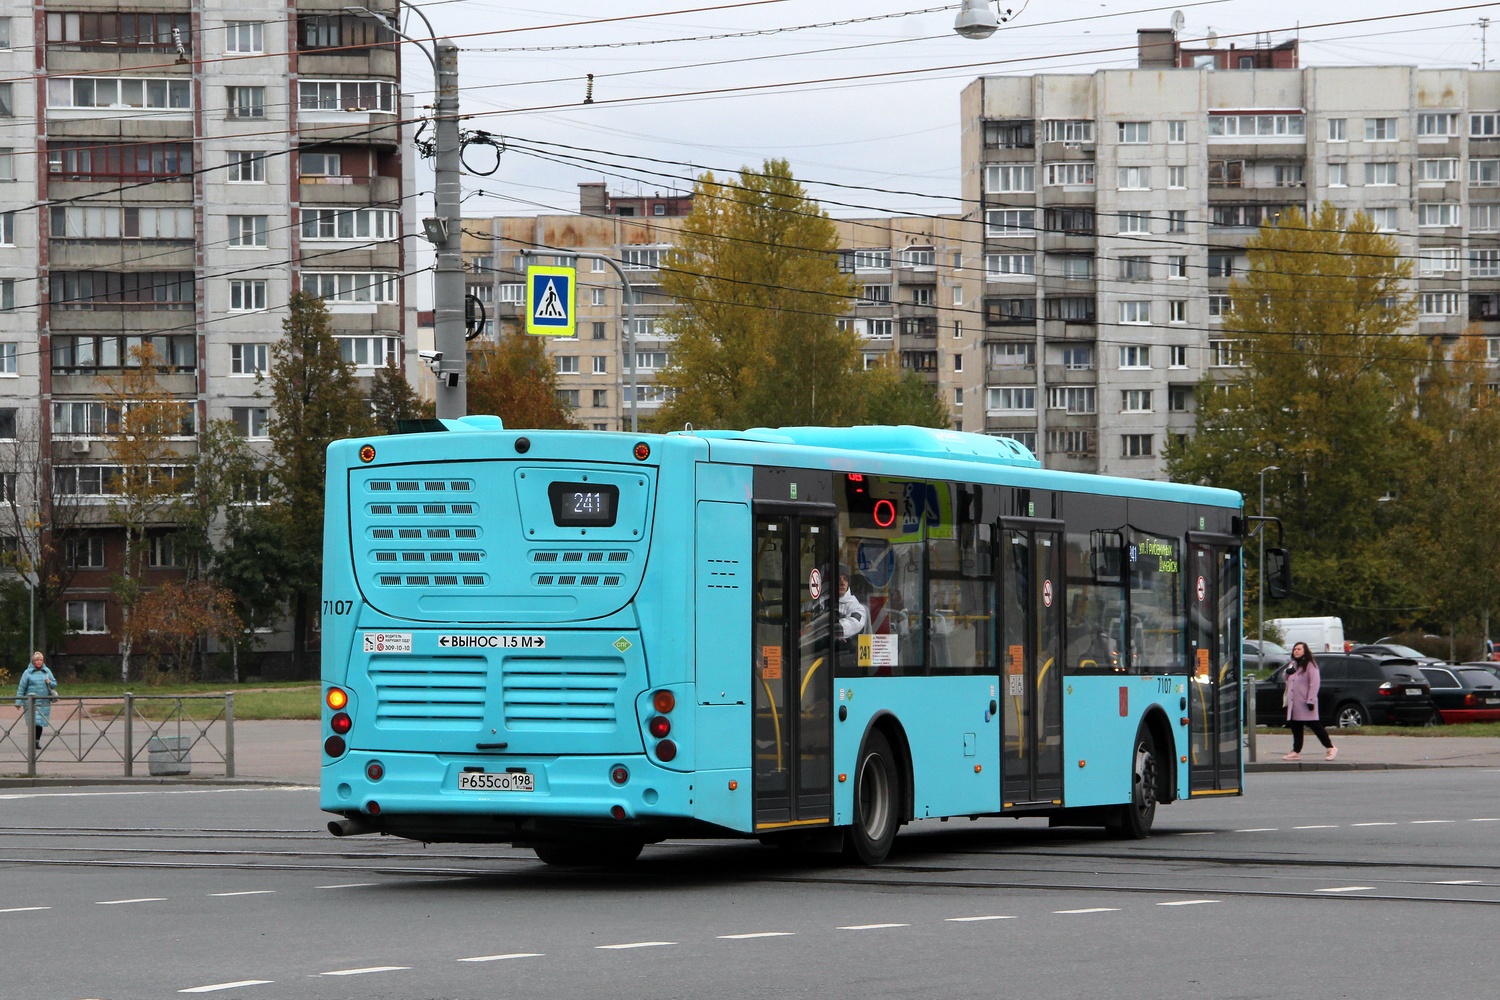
1214 723
1030 570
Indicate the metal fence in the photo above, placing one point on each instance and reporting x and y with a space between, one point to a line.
126 730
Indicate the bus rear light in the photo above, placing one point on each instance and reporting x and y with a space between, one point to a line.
341 723
334 746
618 812
664 701
619 774
336 698
666 751
374 770
642 451
373 808
659 726
367 453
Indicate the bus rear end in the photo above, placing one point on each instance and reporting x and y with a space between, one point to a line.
484 673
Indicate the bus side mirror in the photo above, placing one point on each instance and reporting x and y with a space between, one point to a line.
1278 571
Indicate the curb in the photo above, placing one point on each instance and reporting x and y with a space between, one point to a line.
1294 765
63 781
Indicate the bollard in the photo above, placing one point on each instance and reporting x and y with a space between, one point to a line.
229 734
30 721
1250 715
129 733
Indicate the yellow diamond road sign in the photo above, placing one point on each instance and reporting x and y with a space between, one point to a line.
551 298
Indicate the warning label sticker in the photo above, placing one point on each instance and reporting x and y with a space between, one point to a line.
492 641
387 642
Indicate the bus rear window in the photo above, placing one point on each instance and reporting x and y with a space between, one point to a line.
583 505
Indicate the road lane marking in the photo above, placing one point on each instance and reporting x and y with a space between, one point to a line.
1318 826
1372 824
346 885
1187 902
756 934
1460 881
117 902
966 920
1092 909
1259 829
871 927
1486 819
246 892
361 972
12 796
633 944
1347 888
228 986
1197 833
1428 822
25 909
501 958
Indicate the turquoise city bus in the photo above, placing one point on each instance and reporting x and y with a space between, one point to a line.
584 642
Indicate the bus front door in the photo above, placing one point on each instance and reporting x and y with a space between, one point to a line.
1030 570
1214 723
796 593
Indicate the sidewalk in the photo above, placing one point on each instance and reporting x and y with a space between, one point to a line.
283 752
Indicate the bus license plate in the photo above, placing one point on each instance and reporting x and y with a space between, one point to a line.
1414 692
511 781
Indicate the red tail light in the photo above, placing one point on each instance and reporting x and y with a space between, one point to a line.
1471 701
659 726
341 723
666 751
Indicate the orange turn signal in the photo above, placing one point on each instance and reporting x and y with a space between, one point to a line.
337 699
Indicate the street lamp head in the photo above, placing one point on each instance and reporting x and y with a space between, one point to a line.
1270 468
977 19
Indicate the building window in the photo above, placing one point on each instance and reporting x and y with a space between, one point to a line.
246 167
1484 173
1077 358
86 617
1437 125
596 297
958 396
1438 303
1220 265
958 295
1437 260
1077 266
342 287
350 224
1338 175
1016 134
247 230
1135 268
1011 398
1179 398
1010 222
8 358
1135 401
1073 221
1176 220
1484 263
1134 133
1380 174
1224 354
244 37
1177 311
1009 354
1010 312
84 222
601 365
1437 171
1177 266
643 258
346 95
247 294
1071 308
1226 173
7 229
1484 217
250 421
566 364
1135 356
340 31
1383 219
1072 398
1137 312
122 290
370 352
1177 178
1177 356
7 164
1135 222
1220 306
1177 132
1135 446
1069 174
921 258
599 332
1072 443
1134 178
1338 130
998 265
1437 214
922 295
1380 130
568 398
1010 179
4 32
315 164
870 294
601 397
1069 130
1255 126
1484 126
99 93
249 359
84 551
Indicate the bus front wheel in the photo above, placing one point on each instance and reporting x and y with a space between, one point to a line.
1133 821
877 803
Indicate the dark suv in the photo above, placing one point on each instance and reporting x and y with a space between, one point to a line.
1357 690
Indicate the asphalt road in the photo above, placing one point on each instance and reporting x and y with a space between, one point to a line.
1369 884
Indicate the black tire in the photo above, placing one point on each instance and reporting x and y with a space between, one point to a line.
574 854
1435 719
1133 821
877 803
1350 715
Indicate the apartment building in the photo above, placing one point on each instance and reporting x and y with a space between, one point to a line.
908 270
170 173
1115 208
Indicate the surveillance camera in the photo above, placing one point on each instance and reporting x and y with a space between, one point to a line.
431 357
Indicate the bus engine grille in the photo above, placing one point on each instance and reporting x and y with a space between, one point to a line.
562 695
443 693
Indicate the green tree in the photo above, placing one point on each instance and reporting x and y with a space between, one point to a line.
151 471
513 379
896 395
1325 390
755 273
315 400
392 399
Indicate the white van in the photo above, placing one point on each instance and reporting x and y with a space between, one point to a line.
1322 635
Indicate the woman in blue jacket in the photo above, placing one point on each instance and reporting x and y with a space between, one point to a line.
37 680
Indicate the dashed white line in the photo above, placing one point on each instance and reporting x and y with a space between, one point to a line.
1197 833
25 909
246 892
502 958
366 971
1092 909
228 986
1373 824
1485 819
346 885
143 899
1318 826
1429 822
1460 881
967 920
871 927
1187 902
756 934
1259 829
1347 888
634 944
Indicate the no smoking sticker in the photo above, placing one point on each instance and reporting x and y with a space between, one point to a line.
1047 593
815 584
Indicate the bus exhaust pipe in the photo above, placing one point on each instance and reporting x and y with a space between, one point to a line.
349 827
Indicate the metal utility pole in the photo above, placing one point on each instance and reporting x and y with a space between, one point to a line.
448 278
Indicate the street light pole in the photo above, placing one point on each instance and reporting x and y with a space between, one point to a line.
1260 591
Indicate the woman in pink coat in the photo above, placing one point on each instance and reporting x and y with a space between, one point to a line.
1301 698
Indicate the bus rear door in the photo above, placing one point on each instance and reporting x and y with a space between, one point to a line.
1030 569
1214 724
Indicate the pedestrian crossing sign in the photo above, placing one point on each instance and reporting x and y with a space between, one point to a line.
551 297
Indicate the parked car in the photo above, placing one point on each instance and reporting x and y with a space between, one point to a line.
1395 649
1489 665
1357 690
1264 663
1464 694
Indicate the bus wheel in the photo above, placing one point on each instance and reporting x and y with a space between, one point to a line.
575 854
877 798
1133 821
